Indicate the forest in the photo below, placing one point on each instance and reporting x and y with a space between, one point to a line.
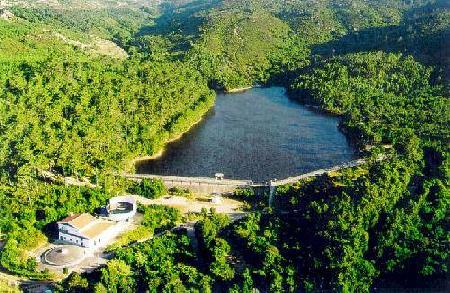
70 108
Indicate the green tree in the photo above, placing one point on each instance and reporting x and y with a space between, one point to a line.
117 277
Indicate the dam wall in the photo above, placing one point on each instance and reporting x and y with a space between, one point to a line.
202 185
207 185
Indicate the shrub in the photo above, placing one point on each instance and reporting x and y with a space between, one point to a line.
244 193
140 233
149 188
158 218
181 192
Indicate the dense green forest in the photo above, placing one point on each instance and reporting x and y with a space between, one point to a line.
72 106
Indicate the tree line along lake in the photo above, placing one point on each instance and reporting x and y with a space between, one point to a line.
259 134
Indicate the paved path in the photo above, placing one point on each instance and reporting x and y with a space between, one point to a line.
202 180
319 172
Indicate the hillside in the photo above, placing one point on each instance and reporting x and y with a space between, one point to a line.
77 4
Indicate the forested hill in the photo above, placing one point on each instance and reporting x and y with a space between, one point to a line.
72 110
245 42
87 86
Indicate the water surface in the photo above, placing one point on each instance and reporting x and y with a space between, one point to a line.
259 134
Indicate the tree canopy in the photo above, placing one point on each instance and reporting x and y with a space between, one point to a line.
71 109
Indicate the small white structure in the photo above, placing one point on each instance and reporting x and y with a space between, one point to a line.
219 176
217 199
86 231
121 208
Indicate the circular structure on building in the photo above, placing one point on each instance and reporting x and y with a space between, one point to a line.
64 255
121 208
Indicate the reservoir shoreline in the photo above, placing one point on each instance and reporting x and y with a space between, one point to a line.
241 89
258 134
160 153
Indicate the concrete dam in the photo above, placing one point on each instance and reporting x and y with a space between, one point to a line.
207 185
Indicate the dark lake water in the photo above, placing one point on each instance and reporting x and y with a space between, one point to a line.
259 134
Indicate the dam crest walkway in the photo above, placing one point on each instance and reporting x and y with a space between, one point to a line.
210 185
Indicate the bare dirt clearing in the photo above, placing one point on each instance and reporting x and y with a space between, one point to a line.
195 205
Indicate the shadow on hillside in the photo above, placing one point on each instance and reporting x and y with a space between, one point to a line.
184 20
391 39
424 34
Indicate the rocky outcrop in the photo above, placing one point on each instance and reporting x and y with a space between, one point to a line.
6 14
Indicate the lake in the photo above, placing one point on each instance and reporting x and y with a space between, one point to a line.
259 134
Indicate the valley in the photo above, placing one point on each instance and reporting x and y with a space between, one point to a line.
88 88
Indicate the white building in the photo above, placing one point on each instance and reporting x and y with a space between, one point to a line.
86 231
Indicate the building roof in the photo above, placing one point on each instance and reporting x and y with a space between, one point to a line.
87 225
78 221
96 229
